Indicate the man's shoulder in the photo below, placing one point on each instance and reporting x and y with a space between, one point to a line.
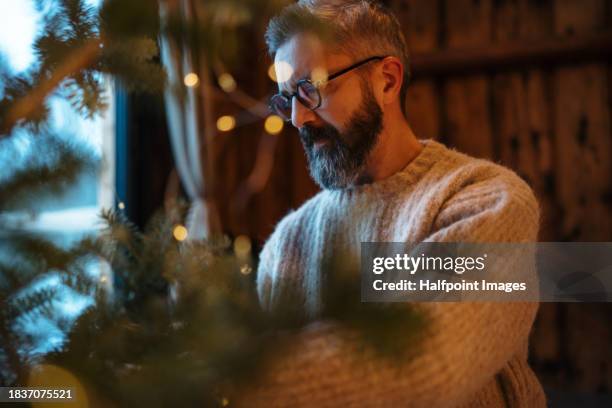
463 171
476 182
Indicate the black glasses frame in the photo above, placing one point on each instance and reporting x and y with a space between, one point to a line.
289 96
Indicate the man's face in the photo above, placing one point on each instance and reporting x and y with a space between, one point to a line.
340 134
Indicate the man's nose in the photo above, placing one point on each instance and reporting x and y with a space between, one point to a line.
300 114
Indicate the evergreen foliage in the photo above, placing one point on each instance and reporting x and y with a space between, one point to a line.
171 322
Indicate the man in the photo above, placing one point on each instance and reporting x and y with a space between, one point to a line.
343 86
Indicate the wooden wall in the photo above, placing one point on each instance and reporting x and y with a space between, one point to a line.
546 118
526 83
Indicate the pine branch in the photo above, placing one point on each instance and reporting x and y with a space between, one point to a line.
63 163
23 108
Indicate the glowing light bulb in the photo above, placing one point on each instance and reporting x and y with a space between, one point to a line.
121 205
180 233
227 82
242 246
226 123
274 124
191 79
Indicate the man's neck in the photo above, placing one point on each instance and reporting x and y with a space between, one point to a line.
396 148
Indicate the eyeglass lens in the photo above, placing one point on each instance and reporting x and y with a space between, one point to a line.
306 94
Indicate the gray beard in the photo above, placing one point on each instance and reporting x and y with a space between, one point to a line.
340 163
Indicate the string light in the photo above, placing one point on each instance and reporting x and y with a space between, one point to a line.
246 269
180 232
282 71
242 246
191 79
226 123
274 124
227 82
121 205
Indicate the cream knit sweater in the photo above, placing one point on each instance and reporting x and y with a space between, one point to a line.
475 354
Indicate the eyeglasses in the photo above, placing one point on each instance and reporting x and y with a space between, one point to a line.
307 92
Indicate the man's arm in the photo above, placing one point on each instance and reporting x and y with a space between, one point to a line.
465 346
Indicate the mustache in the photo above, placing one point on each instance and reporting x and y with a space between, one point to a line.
309 134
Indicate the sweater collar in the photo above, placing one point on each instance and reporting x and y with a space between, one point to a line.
431 153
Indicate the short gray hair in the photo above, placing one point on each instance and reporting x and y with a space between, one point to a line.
359 28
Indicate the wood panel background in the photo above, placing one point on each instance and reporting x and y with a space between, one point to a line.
548 119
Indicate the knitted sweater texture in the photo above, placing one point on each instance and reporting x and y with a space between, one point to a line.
474 354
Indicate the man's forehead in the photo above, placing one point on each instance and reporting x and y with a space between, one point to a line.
299 57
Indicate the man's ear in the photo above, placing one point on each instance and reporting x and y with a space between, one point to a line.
393 75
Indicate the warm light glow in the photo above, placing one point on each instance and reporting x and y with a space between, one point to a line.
121 205
274 124
180 233
226 123
224 402
103 279
191 79
319 76
54 377
246 269
272 72
283 71
242 246
227 82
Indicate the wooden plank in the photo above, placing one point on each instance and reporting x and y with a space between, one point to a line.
521 110
583 152
422 108
540 139
467 113
545 338
513 55
584 180
588 344
582 128
419 20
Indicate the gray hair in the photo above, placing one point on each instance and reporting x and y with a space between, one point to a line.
358 28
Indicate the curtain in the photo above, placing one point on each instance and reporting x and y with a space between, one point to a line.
188 148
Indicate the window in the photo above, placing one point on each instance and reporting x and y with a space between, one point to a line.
67 218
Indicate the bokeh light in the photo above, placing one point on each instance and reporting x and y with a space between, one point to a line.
180 232
319 74
283 71
274 124
272 72
242 246
226 123
49 376
246 269
191 79
227 82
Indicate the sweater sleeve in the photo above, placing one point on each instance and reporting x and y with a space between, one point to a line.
465 345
